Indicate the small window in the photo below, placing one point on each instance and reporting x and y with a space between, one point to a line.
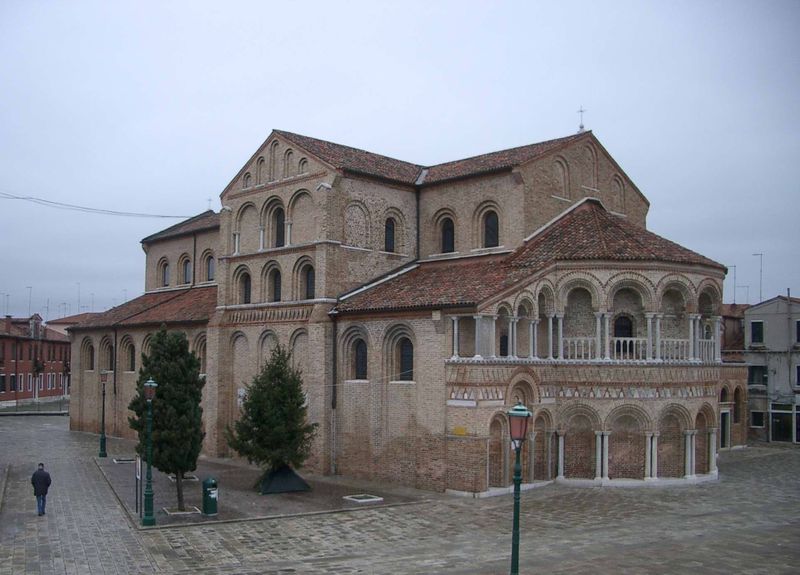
90 363
308 276
448 236
491 230
757 375
2 382
756 419
388 236
13 382
406 349
165 274
246 286
797 331
131 358
210 265
797 379
280 220
302 166
756 332
360 359
276 285
187 271
504 345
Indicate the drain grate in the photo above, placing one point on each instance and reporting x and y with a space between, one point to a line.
124 460
363 498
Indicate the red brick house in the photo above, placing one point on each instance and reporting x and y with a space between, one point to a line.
34 361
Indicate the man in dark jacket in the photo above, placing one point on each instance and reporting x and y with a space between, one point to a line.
41 482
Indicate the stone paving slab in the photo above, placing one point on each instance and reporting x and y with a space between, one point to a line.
748 522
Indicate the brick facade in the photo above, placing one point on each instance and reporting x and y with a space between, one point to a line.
551 333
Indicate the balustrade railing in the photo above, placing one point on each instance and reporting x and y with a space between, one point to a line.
705 350
580 348
674 349
628 348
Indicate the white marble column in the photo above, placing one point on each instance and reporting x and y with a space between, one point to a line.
512 337
605 454
657 356
548 439
649 352
598 455
712 450
648 449
691 338
533 328
607 317
493 336
560 318
688 470
549 337
598 334
654 457
288 232
478 323
455 337
717 339
261 238
560 454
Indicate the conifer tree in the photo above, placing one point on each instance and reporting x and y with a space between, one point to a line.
272 430
177 415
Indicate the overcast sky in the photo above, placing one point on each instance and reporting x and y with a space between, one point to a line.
154 106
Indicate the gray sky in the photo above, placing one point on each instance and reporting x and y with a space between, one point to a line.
154 106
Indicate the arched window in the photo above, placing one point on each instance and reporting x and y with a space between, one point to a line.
360 359
90 357
163 272
287 164
245 288
448 236
406 360
623 327
275 284
308 279
302 166
279 221
246 180
491 230
210 268
131 359
187 271
504 345
260 170
388 235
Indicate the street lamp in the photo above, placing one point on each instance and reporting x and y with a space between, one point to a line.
518 417
149 393
103 379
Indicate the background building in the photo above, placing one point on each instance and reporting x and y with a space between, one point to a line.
34 361
772 341
421 302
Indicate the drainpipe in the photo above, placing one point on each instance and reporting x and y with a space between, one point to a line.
194 258
114 380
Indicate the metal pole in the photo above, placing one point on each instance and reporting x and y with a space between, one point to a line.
515 529
149 519
103 425
760 276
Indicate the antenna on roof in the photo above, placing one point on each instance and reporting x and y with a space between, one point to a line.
581 129
209 203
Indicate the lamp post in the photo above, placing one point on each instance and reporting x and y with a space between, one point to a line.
103 379
518 417
149 393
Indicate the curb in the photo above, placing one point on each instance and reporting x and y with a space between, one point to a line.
3 483
27 413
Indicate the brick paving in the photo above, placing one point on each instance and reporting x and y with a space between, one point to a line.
749 522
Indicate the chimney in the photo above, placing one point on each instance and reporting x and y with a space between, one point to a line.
8 324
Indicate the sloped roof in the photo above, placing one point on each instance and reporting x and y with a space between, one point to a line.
494 161
20 327
376 165
175 306
353 159
584 232
72 319
208 220
588 232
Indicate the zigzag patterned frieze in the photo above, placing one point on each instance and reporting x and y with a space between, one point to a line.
268 315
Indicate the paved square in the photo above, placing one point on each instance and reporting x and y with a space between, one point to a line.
749 522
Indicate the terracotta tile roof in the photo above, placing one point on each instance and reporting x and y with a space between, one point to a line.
72 319
208 220
495 161
585 232
363 162
588 232
20 327
174 306
353 159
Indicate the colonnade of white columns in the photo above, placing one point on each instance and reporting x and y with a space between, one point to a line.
485 337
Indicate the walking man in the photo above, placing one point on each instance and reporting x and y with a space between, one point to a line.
41 482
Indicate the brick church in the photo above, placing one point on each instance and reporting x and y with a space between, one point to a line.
422 302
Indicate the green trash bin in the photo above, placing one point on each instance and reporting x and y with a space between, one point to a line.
210 493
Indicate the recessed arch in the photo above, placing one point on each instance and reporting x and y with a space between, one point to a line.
127 353
634 411
87 354
561 177
302 214
398 346
243 282
163 272
271 282
354 350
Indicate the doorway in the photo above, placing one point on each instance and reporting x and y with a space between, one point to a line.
724 429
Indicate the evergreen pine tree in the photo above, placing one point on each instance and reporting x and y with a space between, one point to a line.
272 430
177 415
